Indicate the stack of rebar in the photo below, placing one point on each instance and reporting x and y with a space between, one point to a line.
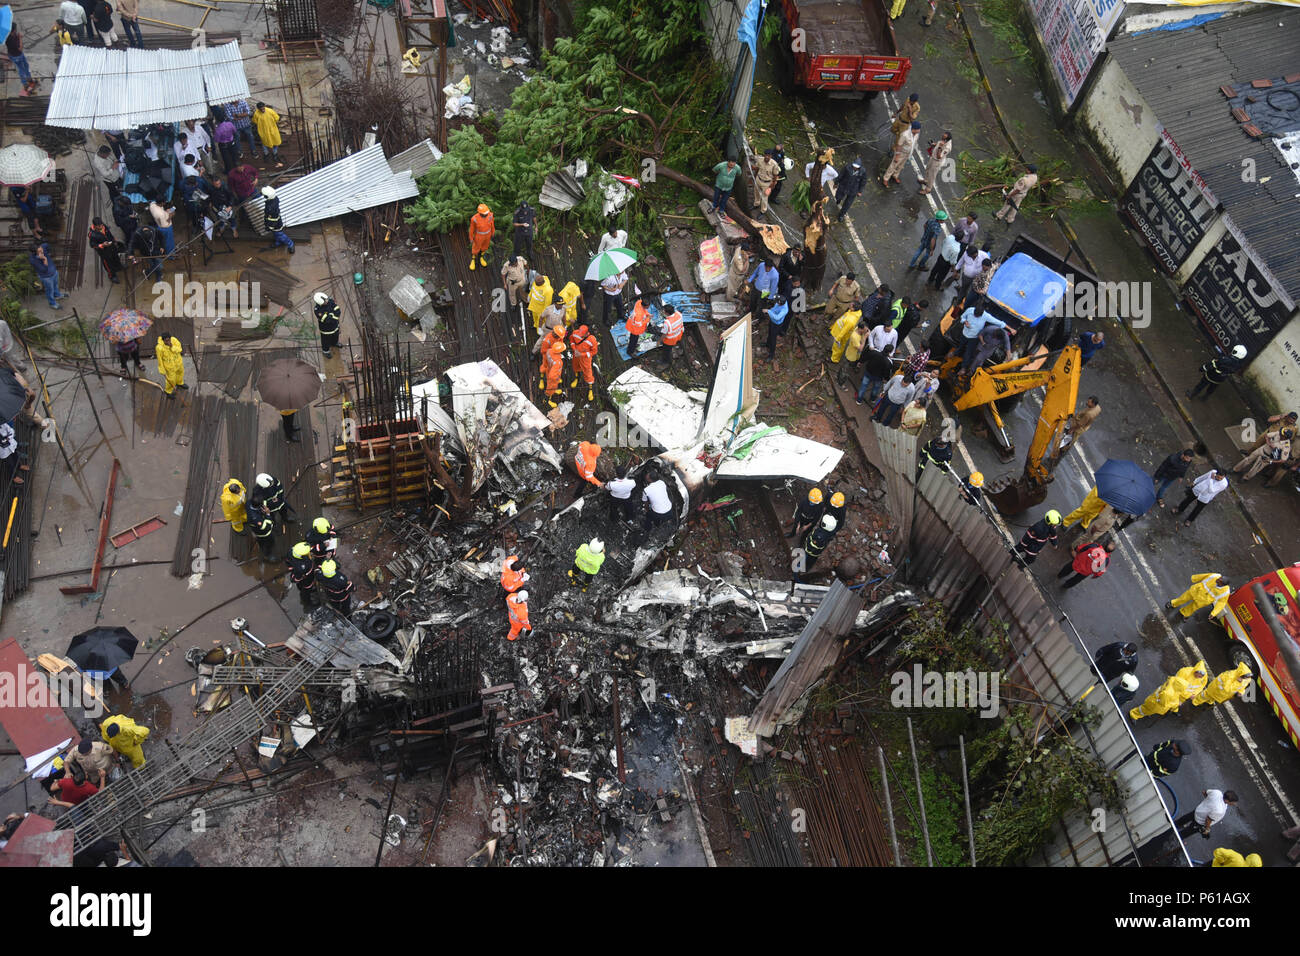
201 496
843 820
17 536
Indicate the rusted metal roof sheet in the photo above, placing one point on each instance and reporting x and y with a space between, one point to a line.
96 88
959 555
34 730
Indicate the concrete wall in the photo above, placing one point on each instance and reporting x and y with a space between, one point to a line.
1119 122
1276 372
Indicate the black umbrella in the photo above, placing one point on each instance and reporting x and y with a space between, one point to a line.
12 396
102 648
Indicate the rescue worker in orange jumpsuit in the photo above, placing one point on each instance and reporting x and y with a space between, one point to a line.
554 334
673 327
636 326
553 370
481 227
585 462
517 611
584 346
513 574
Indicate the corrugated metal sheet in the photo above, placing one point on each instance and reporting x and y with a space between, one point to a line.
1179 73
814 651
962 559
359 181
96 88
417 160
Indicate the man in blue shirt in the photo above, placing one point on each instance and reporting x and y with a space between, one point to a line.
763 283
1090 343
43 262
929 240
973 321
776 316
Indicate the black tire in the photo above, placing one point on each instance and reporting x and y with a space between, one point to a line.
379 625
1238 653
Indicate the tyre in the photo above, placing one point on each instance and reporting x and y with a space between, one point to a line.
1238 653
379 625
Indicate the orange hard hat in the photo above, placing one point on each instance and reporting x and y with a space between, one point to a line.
581 331
557 346
483 209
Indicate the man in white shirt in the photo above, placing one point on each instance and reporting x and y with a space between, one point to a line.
108 170
620 495
613 289
73 16
1203 490
881 336
615 238
829 175
661 506
1212 809
969 265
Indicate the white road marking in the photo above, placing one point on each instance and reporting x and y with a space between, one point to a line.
1187 648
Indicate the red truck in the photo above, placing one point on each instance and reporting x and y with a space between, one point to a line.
844 48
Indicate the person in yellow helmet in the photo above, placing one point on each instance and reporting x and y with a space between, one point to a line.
322 540
1168 696
125 736
972 488
837 507
1088 509
1038 536
171 366
540 297
234 497
1226 857
302 571
808 512
1225 687
1207 589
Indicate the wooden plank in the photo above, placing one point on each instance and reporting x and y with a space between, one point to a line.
105 515
137 531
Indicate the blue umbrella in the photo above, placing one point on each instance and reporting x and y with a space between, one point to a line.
6 21
1125 486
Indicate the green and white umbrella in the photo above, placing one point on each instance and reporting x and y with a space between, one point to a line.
610 263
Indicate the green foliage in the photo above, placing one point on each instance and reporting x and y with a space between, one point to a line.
17 283
626 58
1025 784
944 818
1007 20
801 196
927 638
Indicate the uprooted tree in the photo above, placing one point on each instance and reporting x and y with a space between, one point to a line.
634 83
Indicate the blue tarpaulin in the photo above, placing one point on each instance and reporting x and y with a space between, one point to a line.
747 32
691 305
1027 289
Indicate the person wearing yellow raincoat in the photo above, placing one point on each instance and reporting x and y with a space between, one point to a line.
1225 687
1194 677
1206 589
233 497
1168 696
841 330
170 364
1088 509
125 736
1226 857
571 294
540 297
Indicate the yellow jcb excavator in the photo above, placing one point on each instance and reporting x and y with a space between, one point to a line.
988 385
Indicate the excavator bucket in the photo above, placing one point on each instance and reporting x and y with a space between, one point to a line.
1016 495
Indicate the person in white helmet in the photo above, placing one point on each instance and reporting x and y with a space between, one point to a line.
1216 371
1126 689
328 316
815 542
268 496
587 562
273 221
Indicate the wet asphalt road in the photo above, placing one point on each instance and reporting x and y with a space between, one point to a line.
1240 745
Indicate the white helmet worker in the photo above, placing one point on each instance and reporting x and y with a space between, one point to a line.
264 480
1129 683
320 298
1239 351
829 523
268 192
596 546
521 595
